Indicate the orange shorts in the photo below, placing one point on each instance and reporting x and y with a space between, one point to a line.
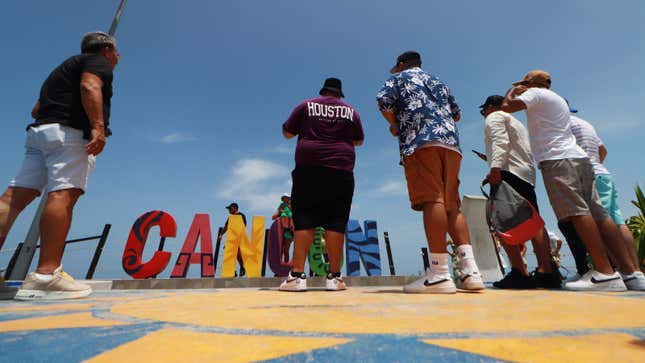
432 174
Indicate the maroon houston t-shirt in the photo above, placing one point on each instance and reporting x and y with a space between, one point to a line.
326 128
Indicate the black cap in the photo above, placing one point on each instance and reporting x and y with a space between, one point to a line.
405 57
233 205
494 100
333 85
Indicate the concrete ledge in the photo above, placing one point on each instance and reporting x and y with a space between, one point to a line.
261 282
98 285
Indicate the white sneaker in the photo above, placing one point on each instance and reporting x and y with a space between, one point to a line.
61 286
471 282
596 281
335 283
294 283
431 284
635 281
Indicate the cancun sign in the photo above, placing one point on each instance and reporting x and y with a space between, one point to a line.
361 245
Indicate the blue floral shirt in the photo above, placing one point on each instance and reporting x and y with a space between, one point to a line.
424 108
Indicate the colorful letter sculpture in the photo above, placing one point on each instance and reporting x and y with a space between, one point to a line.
200 227
316 254
133 250
274 254
237 238
362 247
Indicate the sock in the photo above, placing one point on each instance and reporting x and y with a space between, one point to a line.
44 277
467 259
298 274
439 264
331 275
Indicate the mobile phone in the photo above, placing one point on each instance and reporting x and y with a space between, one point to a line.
480 155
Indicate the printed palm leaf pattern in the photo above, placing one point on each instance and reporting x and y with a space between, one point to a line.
424 107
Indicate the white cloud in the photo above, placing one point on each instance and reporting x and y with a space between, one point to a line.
283 149
256 184
176 137
391 188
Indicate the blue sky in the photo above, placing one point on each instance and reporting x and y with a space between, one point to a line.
203 87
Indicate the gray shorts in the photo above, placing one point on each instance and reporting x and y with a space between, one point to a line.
571 186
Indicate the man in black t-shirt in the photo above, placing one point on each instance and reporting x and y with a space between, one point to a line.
72 117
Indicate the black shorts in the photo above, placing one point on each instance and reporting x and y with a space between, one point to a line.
522 187
321 197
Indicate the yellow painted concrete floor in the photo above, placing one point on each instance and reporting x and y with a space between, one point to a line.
360 324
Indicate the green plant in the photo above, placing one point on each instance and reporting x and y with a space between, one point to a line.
636 224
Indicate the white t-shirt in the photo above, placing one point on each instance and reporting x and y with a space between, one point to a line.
588 140
549 126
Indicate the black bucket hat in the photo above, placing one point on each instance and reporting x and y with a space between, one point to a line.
334 85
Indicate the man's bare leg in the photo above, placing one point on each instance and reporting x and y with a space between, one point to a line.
587 229
515 258
614 242
302 243
457 227
542 251
628 238
13 201
435 223
335 242
54 226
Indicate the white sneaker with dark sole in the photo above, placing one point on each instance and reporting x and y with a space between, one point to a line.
335 284
431 284
60 287
294 284
471 282
596 281
635 281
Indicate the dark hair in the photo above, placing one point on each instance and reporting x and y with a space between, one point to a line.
96 41
328 92
412 63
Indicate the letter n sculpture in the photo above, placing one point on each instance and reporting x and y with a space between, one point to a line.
362 247
237 238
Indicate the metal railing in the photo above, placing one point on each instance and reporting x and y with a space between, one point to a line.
95 259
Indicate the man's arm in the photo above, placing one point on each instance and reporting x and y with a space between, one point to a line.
602 153
287 134
92 99
391 119
500 146
34 111
511 104
456 111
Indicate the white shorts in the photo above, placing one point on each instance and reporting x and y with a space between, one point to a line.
55 159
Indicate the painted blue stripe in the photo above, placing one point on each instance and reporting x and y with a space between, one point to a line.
68 345
385 348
